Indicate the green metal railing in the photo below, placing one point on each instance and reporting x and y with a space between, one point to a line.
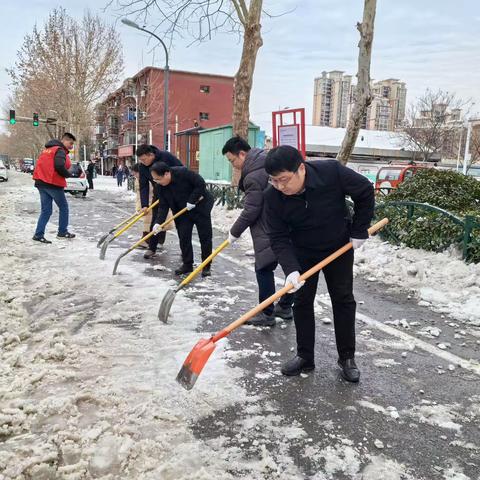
461 229
226 195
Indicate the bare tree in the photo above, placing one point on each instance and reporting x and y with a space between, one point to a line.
200 19
363 92
434 124
62 70
475 145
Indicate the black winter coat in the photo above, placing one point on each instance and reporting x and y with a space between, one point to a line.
253 181
186 187
145 177
318 220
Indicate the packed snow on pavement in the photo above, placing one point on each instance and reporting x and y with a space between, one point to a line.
87 385
92 401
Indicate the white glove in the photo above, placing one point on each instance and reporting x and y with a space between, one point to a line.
293 279
358 242
232 239
157 228
190 206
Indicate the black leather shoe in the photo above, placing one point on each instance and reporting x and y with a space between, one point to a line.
184 269
285 313
296 366
206 272
350 371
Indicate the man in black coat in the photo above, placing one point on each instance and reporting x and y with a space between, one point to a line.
177 188
253 181
90 174
307 221
147 155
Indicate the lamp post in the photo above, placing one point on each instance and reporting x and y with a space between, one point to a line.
135 97
166 71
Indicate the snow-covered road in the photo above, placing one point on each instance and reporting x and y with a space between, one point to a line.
87 384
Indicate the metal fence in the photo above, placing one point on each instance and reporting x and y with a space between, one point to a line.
226 195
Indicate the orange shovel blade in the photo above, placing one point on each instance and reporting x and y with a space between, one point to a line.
194 363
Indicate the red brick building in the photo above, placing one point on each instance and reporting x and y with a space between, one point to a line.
195 100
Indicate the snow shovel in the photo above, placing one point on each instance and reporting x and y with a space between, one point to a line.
169 297
198 357
113 236
145 238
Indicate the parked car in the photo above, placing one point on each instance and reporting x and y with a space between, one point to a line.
27 165
3 172
393 175
77 183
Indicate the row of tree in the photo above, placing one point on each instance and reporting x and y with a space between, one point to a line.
67 66
62 70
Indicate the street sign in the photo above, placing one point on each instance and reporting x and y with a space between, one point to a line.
288 128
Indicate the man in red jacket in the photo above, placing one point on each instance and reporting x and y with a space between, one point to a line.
50 173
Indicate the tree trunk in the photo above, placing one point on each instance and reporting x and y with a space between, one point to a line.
242 86
364 96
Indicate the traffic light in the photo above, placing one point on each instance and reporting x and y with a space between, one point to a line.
35 120
13 121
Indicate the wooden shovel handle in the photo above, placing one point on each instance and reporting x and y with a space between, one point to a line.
247 316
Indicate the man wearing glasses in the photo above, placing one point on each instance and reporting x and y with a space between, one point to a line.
307 220
253 181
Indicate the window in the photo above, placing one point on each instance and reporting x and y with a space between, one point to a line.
203 116
205 88
389 174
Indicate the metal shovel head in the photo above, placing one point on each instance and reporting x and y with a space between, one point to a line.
166 305
117 261
194 363
102 239
103 250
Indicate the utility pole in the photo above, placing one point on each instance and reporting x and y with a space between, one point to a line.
166 75
466 156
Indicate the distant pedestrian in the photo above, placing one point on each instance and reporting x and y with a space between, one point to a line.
50 173
90 174
120 175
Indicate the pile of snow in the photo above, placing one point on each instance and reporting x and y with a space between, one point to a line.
441 281
106 183
87 383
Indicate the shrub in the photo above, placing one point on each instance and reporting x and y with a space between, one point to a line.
430 230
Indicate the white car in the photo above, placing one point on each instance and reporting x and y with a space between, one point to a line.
77 183
3 172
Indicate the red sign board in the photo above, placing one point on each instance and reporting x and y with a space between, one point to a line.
289 128
125 151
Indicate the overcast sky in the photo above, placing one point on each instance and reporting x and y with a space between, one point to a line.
425 43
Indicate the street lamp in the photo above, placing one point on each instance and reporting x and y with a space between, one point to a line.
135 97
129 23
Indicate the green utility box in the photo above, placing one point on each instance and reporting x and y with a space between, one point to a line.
214 167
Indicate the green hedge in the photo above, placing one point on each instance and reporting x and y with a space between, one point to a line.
451 191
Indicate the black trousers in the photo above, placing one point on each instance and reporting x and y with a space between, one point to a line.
185 224
266 288
155 240
339 278
90 182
